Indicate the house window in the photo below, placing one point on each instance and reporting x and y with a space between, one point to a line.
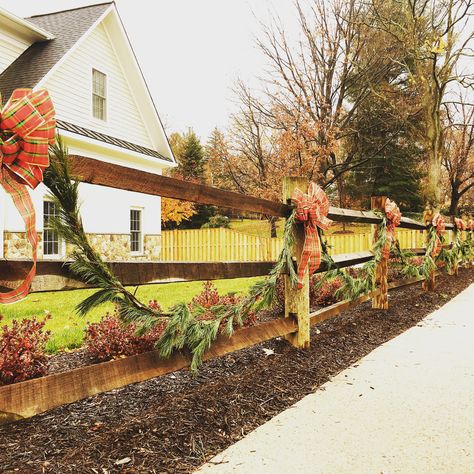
99 99
136 230
51 243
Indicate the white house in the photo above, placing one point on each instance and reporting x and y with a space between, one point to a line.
104 111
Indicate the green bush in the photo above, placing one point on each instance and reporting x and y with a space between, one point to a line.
216 222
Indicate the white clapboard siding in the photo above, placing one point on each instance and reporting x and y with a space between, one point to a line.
10 49
70 86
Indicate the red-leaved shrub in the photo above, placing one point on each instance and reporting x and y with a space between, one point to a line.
395 272
210 297
110 338
318 295
22 347
416 260
323 295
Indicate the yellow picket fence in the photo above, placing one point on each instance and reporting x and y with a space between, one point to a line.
227 245
216 245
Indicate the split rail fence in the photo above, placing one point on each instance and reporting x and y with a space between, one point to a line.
26 399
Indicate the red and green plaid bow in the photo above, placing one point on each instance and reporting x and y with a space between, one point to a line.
438 222
394 216
460 224
312 209
27 127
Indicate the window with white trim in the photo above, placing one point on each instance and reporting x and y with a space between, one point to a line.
99 95
51 242
136 245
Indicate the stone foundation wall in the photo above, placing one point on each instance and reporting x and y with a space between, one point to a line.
111 247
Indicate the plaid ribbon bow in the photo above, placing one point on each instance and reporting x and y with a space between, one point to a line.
438 222
312 209
27 127
460 224
394 216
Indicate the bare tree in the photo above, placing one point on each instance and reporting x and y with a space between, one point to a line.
458 157
435 35
315 88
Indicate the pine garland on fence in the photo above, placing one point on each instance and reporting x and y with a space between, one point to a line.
353 287
428 264
461 251
184 330
86 263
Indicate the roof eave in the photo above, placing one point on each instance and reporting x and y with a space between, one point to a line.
24 27
114 154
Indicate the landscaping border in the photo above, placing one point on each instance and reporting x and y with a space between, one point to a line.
29 398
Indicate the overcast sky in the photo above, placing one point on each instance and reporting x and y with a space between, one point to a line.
190 51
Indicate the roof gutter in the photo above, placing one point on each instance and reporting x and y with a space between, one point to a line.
24 27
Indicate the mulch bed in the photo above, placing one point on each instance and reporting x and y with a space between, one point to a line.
174 423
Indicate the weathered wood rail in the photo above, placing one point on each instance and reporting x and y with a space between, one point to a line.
35 396
55 275
114 176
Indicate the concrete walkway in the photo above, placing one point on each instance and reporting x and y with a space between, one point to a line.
408 407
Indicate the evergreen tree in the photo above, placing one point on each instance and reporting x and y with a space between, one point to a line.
191 158
392 157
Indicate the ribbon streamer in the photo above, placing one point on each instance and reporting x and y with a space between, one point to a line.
27 128
460 224
394 216
438 222
311 209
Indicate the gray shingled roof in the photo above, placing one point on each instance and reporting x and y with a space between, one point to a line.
102 137
67 27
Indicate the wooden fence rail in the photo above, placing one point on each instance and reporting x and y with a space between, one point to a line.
55 275
101 173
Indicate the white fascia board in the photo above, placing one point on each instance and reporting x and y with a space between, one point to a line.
23 27
88 147
123 48
71 50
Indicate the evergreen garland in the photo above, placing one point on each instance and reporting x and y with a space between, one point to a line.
460 252
86 263
184 329
353 287
428 265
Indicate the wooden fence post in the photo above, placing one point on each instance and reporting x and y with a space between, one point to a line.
380 301
430 283
297 300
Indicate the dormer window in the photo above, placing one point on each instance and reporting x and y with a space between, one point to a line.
99 95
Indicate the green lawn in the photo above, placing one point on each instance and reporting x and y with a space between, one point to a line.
67 327
258 227
262 227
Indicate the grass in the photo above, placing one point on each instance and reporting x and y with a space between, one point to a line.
67 327
261 228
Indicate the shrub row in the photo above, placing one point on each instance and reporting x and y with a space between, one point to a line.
22 344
